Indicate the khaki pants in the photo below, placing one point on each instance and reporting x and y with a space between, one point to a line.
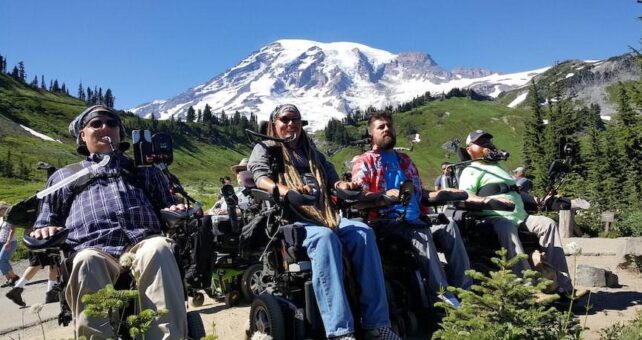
549 239
159 285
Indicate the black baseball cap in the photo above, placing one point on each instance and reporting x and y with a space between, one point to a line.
478 136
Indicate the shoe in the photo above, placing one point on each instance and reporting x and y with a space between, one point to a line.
382 333
575 295
15 295
344 337
52 295
449 299
11 282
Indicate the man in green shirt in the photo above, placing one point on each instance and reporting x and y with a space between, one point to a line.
487 178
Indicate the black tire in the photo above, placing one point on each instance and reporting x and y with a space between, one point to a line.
267 317
232 298
195 328
198 299
251 282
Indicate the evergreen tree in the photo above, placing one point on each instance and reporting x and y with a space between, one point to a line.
22 75
207 114
81 92
199 115
3 64
63 88
628 139
55 87
532 151
224 121
101 98
191 114
43 85
109 98
15 74
34 82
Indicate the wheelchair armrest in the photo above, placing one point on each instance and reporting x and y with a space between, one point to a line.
443 197
172 218
374 201
54 242
491 205
348 196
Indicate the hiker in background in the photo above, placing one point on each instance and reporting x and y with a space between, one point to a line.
441 182
524 184
8 245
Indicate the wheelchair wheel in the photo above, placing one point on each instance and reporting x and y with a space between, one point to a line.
266 317
195 328
232 298
251 282
198 299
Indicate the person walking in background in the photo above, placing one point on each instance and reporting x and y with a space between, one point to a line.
524 184
8 245
442 180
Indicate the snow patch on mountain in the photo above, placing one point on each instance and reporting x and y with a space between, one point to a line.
39 135
518 100
328 80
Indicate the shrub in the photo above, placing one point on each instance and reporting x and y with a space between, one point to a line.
505 306
631 224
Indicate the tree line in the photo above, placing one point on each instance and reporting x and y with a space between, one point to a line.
91 97
606 158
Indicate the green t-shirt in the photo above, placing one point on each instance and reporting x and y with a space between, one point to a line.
480 173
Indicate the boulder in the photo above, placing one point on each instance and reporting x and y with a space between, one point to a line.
589 276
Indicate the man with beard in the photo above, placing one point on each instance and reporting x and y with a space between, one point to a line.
383 169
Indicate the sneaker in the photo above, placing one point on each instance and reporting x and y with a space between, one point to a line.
52 295
382 333
449 299
344 337
11 282
575 295
15 295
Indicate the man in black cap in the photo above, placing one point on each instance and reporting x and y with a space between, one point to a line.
114 213
486 178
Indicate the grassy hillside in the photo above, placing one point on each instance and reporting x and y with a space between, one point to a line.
441 121
197 162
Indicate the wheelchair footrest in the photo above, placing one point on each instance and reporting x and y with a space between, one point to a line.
300 266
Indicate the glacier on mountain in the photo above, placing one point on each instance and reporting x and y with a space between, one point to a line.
328 80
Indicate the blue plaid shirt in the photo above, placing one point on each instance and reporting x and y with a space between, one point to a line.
110 213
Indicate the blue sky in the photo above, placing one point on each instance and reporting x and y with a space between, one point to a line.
155 49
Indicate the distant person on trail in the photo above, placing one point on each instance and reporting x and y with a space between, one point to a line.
245 182
441 181
8 245
114 213
523 184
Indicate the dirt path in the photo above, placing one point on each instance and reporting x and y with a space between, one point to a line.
609 305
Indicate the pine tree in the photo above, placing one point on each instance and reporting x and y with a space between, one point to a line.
109 98
207 114
532 151
81 92
15 74
43 85
22 76
34 82
3 64
191 115
199 115
55 87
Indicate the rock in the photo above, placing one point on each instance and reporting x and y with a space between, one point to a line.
612 280
589 276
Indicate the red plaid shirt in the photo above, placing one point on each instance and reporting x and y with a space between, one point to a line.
368 171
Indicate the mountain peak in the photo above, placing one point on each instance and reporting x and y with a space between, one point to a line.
327 80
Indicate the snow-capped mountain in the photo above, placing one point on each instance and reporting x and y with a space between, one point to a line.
327 80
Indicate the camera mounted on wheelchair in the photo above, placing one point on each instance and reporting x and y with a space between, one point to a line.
151 149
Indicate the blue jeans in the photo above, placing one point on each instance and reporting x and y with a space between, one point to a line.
5 256
325 249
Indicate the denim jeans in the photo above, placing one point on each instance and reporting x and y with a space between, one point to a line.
325 249
5 256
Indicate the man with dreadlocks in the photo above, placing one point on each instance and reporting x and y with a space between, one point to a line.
306 170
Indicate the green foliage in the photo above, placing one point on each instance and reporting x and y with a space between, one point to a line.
622 331
630 225
108 302
505 306
336 132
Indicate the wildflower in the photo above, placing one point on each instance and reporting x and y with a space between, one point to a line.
126 260
573 249
37 308
260 336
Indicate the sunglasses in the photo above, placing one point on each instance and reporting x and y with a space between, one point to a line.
98 123
287 120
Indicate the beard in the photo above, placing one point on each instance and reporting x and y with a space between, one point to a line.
387 142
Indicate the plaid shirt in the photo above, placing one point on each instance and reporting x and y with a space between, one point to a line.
110 213
368 171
